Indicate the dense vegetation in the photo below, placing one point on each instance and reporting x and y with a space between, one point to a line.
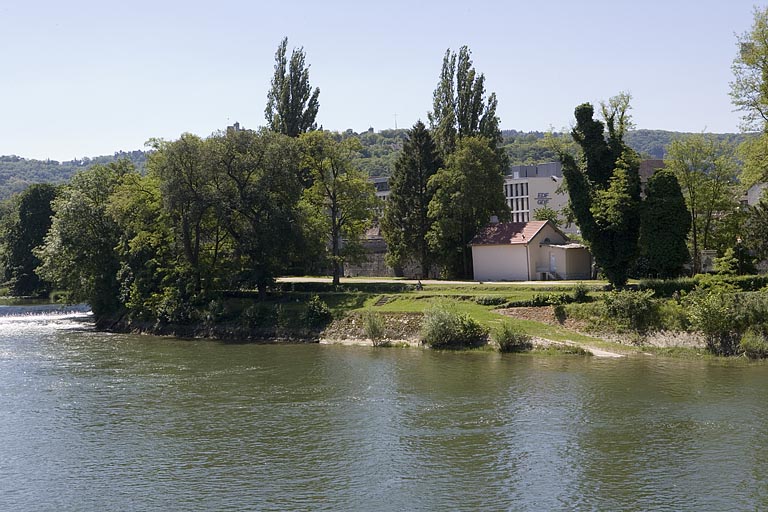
376 157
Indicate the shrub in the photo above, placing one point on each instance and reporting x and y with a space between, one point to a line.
580 293
373 325
633 310
317 313
260 315
490 300
725 316
444 327
509 339
754 342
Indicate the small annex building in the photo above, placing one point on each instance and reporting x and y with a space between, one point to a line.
528 251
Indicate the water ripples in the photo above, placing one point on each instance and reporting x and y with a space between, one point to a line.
93 421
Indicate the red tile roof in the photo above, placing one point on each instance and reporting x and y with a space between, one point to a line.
505 233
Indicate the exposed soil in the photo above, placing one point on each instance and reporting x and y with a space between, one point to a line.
398 328
546 315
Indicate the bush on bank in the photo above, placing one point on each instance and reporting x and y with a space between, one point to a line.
509 339
444 327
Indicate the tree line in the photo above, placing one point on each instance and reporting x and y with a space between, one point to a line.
238 208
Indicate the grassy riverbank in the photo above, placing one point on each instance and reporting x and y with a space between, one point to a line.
661 318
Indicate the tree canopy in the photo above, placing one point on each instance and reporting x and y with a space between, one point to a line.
468 191
406 221
664 226
292 105
706 170
604 187
341 197
460 107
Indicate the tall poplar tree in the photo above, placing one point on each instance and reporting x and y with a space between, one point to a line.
460 107
604 187
406 222
292 105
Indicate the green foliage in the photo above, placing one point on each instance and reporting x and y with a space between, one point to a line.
580 293
727 264
340 199
756 230
753 153
260 314
406 222
79 253
550 214
467 192
723 316
509 339
754 342
187 189
664 226
604 189
373 325
490 300
444 327
749 89
257 193
668 287
24 227
631 310
460 108
706 171
16 173
317 313
292 105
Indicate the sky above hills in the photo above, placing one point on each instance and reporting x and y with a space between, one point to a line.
91 77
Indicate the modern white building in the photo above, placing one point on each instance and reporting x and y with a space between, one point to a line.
528 188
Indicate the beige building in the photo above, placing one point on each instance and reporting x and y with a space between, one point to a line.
527 251
528 188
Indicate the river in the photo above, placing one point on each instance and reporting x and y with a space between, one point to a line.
91 421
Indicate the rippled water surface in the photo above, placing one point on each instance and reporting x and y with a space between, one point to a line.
91 421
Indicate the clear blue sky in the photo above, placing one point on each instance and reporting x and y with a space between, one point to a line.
90 77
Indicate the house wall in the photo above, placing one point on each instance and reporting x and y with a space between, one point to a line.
579 264
540 250
500 262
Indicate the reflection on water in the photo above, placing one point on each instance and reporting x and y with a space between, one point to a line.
93 421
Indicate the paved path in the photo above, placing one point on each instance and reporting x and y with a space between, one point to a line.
352 280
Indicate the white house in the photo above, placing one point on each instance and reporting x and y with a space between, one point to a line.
527 251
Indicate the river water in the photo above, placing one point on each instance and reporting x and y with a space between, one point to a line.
92 421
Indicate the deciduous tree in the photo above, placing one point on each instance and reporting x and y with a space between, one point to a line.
79 253
341 196
30 219
186 177
258 193
468 191
706 170
460 107
749 93
292 105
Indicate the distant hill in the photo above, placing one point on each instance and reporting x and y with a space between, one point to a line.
17 173
377 158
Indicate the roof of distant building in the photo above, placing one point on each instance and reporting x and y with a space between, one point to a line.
505 233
